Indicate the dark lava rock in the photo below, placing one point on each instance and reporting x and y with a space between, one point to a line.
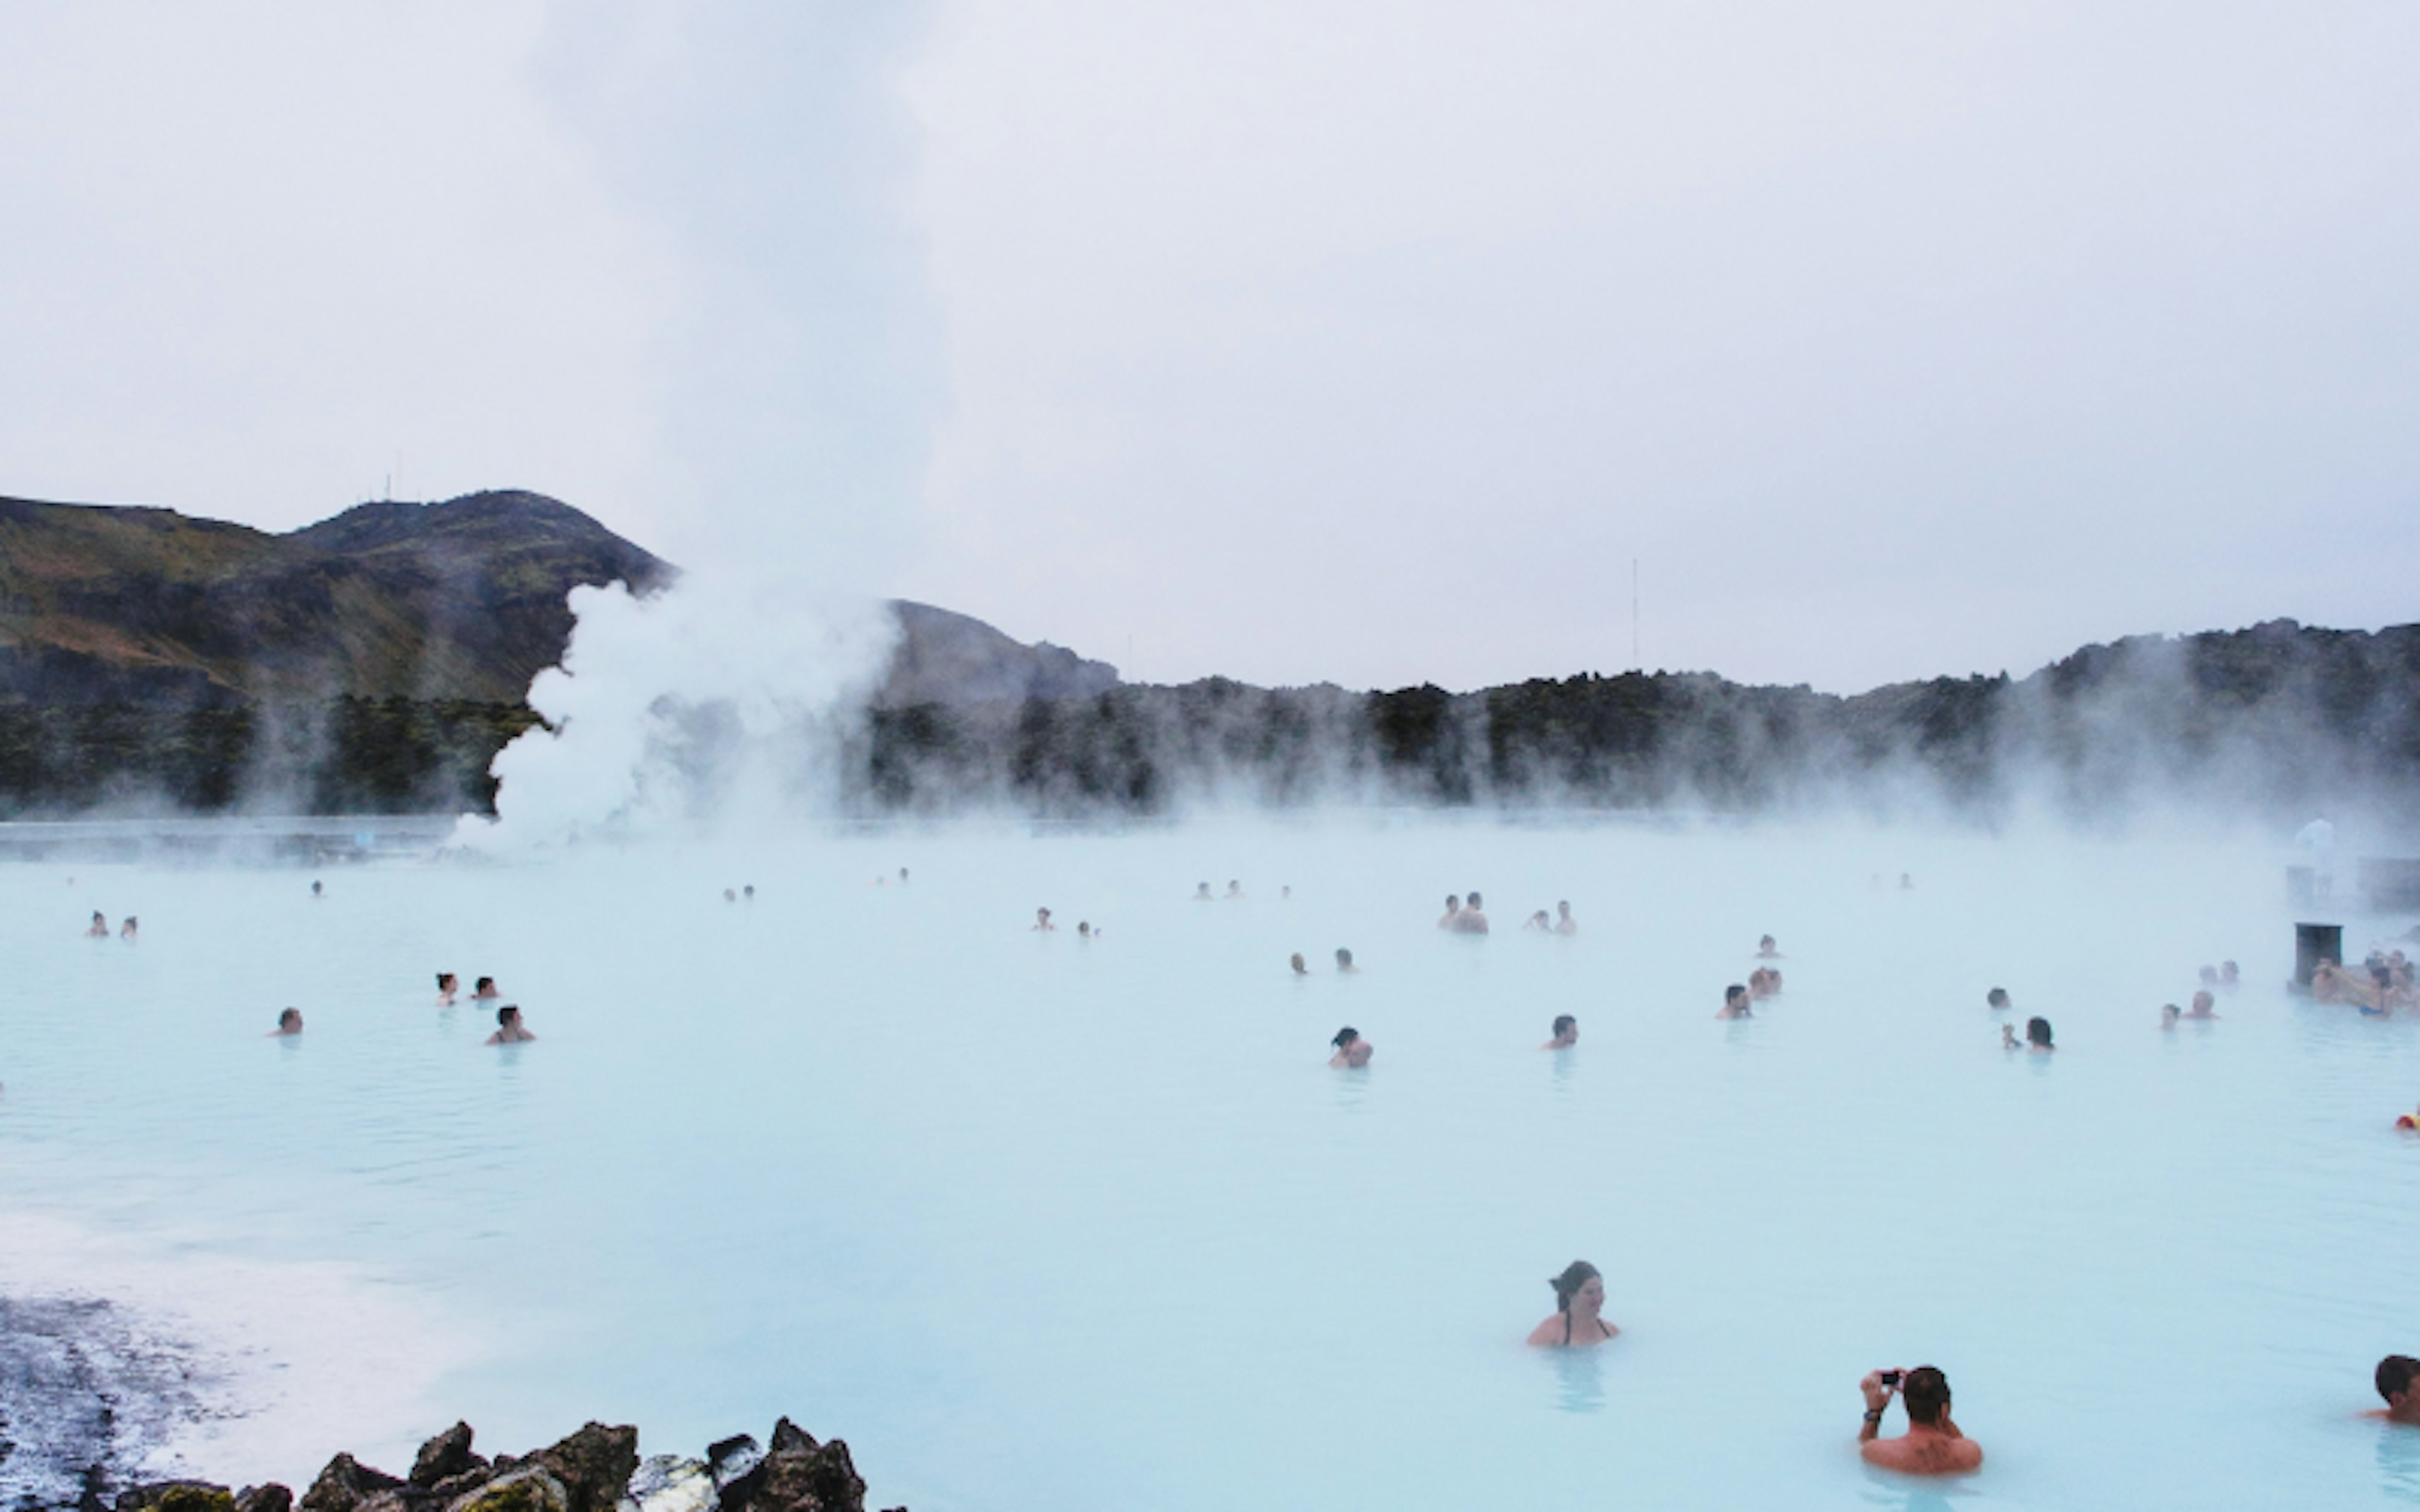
788 1438
529 1488
799 1480
178 1496
345 1485
730 1459
270 1498
593 1464
444 1457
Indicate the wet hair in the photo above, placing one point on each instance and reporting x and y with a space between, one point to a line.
1343 956
1764 939
1473 901
1925 1394
507 1013
1997 997
2038 1030
444 978
484 983
1452 899
1562 1022
2395 1375
1295 960
291 1015
1567 1286
1345 1035
1733 993
2169 1010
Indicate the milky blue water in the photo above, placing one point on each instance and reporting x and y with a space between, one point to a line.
1038 1222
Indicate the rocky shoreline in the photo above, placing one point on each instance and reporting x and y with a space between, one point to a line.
595 1470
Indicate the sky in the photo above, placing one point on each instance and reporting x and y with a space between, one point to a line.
1370 344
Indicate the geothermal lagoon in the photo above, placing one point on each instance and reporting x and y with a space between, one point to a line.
1037 1222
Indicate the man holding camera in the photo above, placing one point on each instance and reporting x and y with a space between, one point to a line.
1932 1445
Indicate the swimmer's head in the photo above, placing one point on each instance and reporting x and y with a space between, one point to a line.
1299 969
1564 908
1565 1024
2395 1377
1344 958
1202 888
99 918
1997 997
446 981
1925 1393
1473 901
1453 901
1567 1286
2226 971
1344 1037
1764 942
2037 1031
1084 927
290 1020
2168 1013
2202 1002
1735 995
507 1016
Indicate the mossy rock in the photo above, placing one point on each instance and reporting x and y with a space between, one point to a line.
187 1498
523 1490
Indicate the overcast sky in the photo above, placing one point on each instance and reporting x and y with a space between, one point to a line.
1366 343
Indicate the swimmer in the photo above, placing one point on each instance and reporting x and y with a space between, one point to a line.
1931 1444
1996 999
729 896
2393 1378
1202 893
903 874
749 892
508 1026
447 983
1759 984
2008 1040
1734 1003
1083 928
316 891
2038 1037
1567 1033
1235 889
1472 920
2201 1006
484 990
1345 961
99 928
1042 924
1765 949
1539 922
126 932
1576 1322
1452 911
2227 975
1352 1051
289 1023
1299 969
1564 922
2168 1014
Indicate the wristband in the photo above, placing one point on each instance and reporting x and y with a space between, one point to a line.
1874 1416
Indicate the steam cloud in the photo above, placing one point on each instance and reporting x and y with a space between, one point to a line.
765 148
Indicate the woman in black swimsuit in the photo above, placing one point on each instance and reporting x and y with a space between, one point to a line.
1576 1325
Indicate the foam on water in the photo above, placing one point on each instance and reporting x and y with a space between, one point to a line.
1034 1222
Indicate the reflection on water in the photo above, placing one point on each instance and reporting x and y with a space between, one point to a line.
1906 1493
1579 1379
2399 1461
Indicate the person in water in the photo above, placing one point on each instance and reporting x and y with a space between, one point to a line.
2227 974
99 927
1996 999
1567 1033
126 930
1473 918
2202 1005
1539 922
1933 1445
1083 928
2169 1013
1299 969
1202 893
1564 922
1352 1051
1765 949
484 990
2394 1379
749 892
447 983
1445 920
1906 883
1042 924
1760 984
1735 1003
508 1027
1345 961
289 1023
2038 1037
1235 889
1577 1322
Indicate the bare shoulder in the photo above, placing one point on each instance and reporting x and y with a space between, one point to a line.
1549 1332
